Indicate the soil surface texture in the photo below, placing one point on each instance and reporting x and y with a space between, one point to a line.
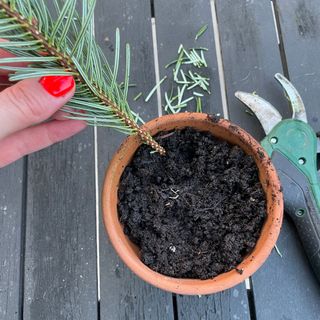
196 212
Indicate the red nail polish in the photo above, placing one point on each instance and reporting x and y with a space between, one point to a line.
57 86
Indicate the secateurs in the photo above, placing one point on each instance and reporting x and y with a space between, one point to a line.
292 145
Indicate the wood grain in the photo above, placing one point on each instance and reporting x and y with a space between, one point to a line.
285 288
11 231
229 304
60 265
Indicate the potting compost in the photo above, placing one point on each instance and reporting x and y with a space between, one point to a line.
196 212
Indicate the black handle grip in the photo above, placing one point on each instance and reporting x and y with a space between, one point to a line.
300 205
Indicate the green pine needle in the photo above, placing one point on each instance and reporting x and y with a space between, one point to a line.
199 104
201 31
154 89
278 251
66 46
137 96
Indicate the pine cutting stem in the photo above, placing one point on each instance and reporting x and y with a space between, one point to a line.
66 62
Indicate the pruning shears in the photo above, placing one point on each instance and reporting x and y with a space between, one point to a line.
292 146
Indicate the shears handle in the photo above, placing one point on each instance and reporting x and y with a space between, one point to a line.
300 205
292 147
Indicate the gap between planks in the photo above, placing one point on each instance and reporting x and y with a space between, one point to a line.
217 42
97 199
275 21
156 63
23 236
277 26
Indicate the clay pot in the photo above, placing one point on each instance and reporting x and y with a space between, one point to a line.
223 129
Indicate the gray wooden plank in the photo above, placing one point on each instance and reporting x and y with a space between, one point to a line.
250 57
11 198
177 22
60 254
300 25
285 288
123 295
229 304
300 291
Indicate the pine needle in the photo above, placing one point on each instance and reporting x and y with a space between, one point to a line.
137 96
153 90
278 251
199 104
201 31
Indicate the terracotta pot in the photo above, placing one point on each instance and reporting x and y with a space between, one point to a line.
223 129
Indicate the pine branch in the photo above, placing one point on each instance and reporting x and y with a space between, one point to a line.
66 46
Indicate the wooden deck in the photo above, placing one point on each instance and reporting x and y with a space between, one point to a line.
55 259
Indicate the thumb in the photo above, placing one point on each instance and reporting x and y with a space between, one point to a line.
32 101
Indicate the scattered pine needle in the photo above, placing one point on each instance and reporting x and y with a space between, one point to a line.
201 31
137 96
185 79
155 88
199 105
278 251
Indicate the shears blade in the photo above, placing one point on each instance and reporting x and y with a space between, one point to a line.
266 113
298 109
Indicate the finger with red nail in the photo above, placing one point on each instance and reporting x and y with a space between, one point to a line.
23 109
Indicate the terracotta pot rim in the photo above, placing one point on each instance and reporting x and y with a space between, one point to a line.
191 286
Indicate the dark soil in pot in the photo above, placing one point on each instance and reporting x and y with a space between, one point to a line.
196 212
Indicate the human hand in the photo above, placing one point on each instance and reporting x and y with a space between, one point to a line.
23 109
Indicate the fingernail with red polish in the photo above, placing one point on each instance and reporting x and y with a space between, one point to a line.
57 86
